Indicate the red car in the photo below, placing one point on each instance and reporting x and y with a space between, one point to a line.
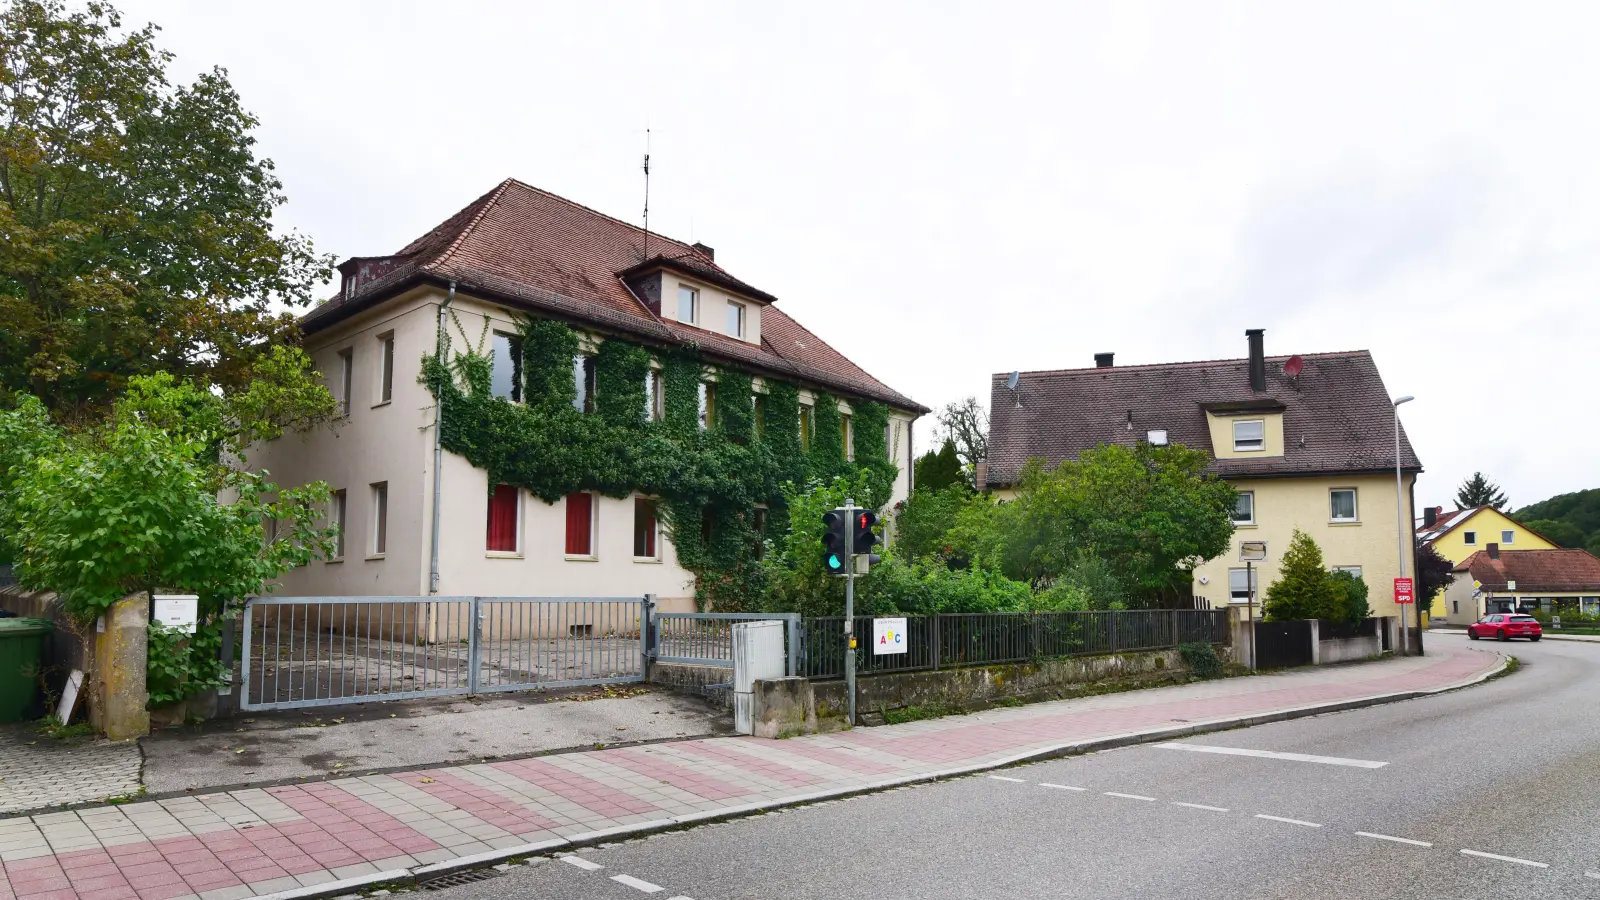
1505 626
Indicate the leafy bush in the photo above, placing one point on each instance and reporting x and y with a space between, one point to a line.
1303 589
1350 600
923 523
179 665
921 589
1201 659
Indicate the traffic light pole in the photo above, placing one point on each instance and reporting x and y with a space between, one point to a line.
850 612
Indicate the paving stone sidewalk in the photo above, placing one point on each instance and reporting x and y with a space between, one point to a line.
36 771
239 844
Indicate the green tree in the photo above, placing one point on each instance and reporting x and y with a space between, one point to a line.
939 469
966 423
924 520
135 217
1562 532
1480 491
1303 589
1149 513
1349 605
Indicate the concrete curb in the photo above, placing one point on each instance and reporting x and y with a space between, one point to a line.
1070 748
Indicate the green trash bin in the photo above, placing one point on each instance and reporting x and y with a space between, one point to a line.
21 656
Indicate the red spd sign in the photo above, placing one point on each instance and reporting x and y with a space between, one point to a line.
1402 591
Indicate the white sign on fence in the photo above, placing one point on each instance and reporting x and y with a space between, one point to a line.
177 611
888 636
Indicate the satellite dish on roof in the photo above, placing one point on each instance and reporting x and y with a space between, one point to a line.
1014 379
1292 367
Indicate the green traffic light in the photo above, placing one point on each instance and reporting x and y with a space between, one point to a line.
833 563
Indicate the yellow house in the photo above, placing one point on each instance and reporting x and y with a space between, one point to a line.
1493 581
1308 441
1458 534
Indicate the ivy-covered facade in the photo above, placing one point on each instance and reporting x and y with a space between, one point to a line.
710 464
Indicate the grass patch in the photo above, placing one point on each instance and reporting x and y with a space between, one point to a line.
51 727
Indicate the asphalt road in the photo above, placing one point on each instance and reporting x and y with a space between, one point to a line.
1510 769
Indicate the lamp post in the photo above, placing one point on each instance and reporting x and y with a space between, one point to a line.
1250 553
1401 534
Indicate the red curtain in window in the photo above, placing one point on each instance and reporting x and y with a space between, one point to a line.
503 519
580 524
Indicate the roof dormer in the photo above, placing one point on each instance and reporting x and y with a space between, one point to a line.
1248 430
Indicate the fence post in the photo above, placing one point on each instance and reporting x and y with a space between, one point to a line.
244 666
1177 636
649 640
1033 636
791 628
474 644
937 643
1113 614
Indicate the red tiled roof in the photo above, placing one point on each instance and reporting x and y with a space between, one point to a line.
545 253
1337 415
1445 522
1535 570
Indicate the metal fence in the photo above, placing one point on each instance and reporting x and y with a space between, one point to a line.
973 639
707 638
322 651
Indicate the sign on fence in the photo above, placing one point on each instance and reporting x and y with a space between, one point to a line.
888 636
1402 591
176 611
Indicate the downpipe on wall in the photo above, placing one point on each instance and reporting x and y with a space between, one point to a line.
438 448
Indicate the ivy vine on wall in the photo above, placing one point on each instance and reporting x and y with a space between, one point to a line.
708 481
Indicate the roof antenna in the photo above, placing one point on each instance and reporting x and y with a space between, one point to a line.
646 250
1013 381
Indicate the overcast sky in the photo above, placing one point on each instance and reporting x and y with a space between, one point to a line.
943 192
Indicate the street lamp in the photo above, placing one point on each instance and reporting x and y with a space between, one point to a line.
1250 553
1400 535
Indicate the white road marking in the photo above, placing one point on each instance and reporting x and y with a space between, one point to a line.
1390 837
1061 787
1130 796
1509 859
1273 754
1004 778
1200 806
637 884
1290 821
582 863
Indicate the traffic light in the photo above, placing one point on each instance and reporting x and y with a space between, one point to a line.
836 542
864 538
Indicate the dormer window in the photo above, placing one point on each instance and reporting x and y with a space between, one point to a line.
1249 434
735 319
688 305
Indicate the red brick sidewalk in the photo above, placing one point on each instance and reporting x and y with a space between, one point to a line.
333 836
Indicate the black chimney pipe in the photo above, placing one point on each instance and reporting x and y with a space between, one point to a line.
1258 360
1103 360
1430 516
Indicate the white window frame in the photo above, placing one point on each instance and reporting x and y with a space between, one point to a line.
1355 505
694 304
1253 586
385 369
654 397
738 313
1470 538
1260 442
1507 536
1252 518
347 375
521 520
594 532
339 515
1353 570
847 430
378 543
634 534
706 398
585 381
513 342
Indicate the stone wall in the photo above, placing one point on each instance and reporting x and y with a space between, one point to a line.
1340 650
703 680
789 706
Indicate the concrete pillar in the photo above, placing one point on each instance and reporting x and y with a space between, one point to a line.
783 707
1316 642
120 649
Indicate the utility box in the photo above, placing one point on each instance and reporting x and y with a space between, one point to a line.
758 655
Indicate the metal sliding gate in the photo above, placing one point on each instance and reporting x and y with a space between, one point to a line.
324 651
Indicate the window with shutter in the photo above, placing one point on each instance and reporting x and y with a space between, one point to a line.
503 519
580 524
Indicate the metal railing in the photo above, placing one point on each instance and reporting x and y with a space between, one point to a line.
323 651
707 638
973 639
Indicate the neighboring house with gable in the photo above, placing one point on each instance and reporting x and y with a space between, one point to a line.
1496 580
513 254
1312 450
1457 534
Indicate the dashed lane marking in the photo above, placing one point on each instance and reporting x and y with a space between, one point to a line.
1200 806
1061 787
1510 859
1390 837
1004 778
1273 754
1289 821
1130 796
638 884
581 863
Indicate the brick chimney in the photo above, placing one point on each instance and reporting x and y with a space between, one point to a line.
1493 550
709 251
